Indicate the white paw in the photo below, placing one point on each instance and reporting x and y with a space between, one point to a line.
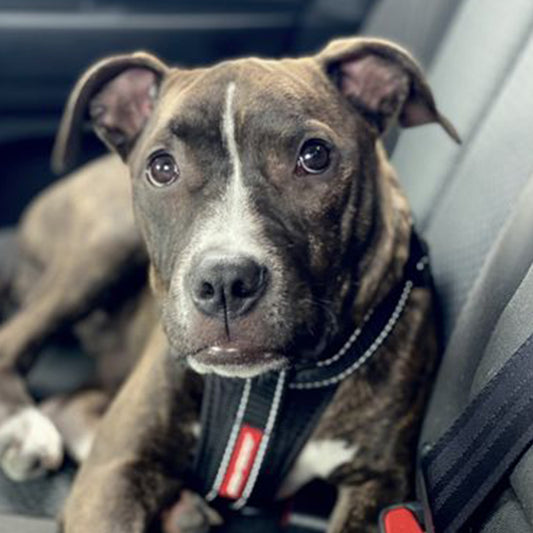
30 445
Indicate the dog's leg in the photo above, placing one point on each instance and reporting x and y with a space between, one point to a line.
190 514
32 440
77 418
358 506
139 459
21 336
63 294
29 441
380 474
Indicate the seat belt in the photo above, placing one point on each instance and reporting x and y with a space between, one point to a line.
482 446
489 437
475 453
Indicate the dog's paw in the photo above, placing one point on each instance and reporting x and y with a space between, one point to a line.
190 514
30 445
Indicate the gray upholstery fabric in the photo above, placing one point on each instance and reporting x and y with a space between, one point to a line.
483 187
19 524
495 321
39 497
515 323
514 326
478 52
418 25
507 265
509 517
462 198
511 330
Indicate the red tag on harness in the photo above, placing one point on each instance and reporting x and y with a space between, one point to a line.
241 462
399 520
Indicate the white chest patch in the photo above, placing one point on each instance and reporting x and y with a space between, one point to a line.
317 460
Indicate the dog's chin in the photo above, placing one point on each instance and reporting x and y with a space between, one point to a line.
235 362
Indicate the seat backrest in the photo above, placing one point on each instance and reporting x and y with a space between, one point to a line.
418 25
494 322
474 206
482 81
467 361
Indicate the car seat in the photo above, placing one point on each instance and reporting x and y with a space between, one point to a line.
474 206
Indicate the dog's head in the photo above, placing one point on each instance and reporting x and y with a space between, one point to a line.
256 187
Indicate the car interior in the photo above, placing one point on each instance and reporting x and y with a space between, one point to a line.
473 203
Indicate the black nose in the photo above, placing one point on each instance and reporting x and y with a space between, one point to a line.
227 285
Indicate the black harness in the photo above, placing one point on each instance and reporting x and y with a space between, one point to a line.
253 429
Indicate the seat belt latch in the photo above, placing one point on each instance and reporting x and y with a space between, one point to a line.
404 518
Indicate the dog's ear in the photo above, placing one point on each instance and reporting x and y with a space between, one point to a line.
383 82
118 95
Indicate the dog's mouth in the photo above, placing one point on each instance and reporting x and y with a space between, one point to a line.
245 358
237 360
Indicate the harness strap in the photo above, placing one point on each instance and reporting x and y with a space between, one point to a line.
254 429
469 460
231 456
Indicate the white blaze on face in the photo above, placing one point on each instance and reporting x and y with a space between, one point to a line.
232 226
237 195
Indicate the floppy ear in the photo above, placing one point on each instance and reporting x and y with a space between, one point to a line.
383 82
118 95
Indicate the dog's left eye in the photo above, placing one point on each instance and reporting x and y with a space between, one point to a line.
162 169
314 157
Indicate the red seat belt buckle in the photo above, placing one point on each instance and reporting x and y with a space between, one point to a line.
402 518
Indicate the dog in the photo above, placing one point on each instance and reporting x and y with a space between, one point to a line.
72 264
275 228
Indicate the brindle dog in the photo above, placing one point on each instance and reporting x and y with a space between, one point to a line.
273 223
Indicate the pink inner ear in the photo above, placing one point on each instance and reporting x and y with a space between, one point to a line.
379 85
126 102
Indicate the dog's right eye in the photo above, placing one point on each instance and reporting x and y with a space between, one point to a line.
314 157
162 169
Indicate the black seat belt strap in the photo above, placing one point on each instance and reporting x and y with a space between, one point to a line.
469 460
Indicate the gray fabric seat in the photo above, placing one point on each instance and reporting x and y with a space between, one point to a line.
462 198
418 25
476 57
496 319
481 79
